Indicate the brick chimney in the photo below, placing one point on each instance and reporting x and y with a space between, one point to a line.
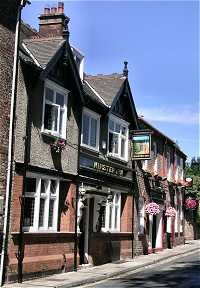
53 21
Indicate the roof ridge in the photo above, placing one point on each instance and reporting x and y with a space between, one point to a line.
43 39
110 76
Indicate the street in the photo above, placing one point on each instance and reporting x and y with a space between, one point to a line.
181 272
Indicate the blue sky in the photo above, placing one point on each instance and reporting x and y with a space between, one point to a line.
159 39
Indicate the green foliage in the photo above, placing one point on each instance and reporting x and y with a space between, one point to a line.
193 170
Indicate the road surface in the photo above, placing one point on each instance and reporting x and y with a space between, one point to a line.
182 272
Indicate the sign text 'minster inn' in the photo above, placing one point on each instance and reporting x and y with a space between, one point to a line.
108 169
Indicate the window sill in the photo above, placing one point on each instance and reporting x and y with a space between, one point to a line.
51 135
43 234
90 149
116 234
117 158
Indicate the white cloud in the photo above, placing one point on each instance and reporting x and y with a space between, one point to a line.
180 115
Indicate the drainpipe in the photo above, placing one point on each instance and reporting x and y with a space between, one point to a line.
11 144
77 197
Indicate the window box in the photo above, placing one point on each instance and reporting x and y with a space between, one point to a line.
90 129
57 144
54 117
118 138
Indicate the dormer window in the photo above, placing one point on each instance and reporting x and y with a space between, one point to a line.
118 138
54 109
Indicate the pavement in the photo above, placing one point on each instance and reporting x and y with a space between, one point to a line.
98 273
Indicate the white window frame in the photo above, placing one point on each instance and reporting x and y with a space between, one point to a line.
92 115
56 89
125 124
155 155
47 196
169 165
111 208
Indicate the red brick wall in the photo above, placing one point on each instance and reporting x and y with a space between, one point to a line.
43 252
106 247
126 212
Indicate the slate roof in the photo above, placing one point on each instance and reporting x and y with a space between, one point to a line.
91 93
106 86
43 49
145 123
25 57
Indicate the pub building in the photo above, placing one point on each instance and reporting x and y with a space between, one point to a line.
105 206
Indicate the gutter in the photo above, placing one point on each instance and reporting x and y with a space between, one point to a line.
11 144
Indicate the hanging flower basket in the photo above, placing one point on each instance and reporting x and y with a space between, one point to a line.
152 208
58 144
191 203
170 212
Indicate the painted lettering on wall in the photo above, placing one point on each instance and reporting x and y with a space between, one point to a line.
108 169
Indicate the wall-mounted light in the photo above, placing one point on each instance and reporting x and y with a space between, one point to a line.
103 144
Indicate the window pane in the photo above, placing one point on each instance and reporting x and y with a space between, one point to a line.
60 99
51 209
117 127
123 148
30 185
49 94
29 204
110 142
53 186
55 118
61 122
116 216
116 198
85 129
44 184
93 132
110 217
115 143
123 130
50 117
103 217
111 125
41 214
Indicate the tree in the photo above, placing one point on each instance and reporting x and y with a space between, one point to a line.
193 170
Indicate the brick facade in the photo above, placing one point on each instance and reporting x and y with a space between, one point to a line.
44 253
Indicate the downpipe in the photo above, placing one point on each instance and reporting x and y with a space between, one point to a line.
11 143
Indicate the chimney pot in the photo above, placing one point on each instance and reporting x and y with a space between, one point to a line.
53 10
60 7
46 10
125 71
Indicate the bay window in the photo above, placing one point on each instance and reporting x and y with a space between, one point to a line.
41 204
90 129
118 138
54 109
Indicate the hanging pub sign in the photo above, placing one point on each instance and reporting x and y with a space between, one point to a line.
141 145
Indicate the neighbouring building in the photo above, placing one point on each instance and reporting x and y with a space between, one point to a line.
161 180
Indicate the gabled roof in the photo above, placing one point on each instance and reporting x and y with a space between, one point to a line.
43 49
161 134
103 88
